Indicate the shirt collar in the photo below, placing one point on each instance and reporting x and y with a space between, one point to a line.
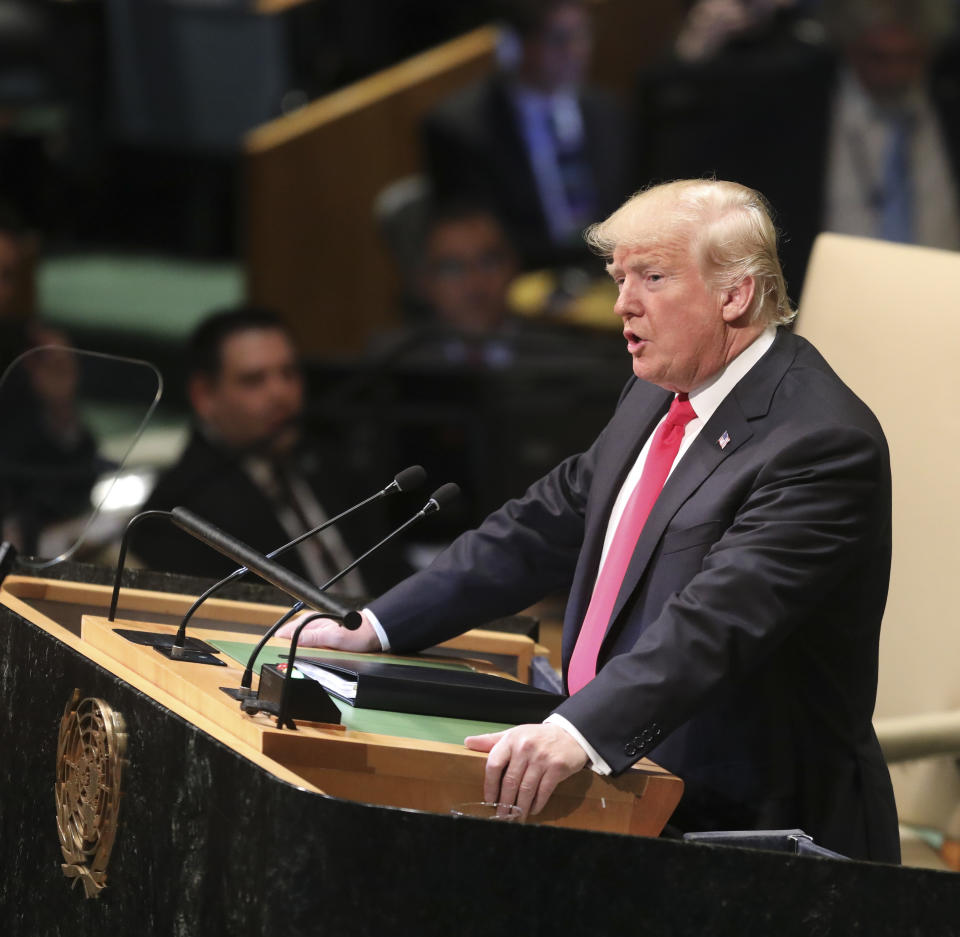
708 396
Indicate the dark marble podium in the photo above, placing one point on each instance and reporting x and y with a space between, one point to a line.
210 843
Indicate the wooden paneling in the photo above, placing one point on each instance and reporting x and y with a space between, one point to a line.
629 35
313 251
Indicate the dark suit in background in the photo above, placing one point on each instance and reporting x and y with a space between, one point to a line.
211 481
742 654
476 150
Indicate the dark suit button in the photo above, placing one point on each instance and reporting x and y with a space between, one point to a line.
632 748
650 734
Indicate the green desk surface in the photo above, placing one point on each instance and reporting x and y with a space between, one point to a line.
152 296
381 722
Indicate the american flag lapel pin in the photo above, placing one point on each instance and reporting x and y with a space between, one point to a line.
723 440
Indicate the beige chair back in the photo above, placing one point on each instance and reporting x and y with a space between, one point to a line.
887 319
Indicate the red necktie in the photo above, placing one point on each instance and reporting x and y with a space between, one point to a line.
663 450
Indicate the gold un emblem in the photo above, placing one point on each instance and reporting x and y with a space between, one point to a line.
91 754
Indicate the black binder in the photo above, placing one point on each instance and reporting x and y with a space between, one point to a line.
460 694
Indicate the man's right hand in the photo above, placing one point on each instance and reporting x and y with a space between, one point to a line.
325 632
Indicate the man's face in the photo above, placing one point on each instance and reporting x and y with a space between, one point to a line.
258 393
672 321
889 61
558 55
467 272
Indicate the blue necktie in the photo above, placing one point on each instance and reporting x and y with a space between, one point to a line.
576 177
896 209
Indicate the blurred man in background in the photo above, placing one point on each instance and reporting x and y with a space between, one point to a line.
893 150
49 458
543 149
469 375
861 111
465 271
248 466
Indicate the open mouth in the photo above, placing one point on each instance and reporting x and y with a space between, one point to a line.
634 341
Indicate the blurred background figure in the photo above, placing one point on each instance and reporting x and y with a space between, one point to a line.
712 25
18 330
545 151
20 327
473 387
249 467
893 153
861 104
49 461
465 270
462 280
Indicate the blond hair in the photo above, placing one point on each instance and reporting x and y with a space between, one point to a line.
726 226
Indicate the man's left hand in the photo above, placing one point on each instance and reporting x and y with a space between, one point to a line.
526 763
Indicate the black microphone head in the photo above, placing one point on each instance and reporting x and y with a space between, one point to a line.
411 477
445 494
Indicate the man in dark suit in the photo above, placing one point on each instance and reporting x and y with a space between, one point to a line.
725 621
248 467
544 151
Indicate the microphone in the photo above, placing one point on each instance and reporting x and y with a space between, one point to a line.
198 651
273 693
440 498
192 649
410 478
244 555
413 476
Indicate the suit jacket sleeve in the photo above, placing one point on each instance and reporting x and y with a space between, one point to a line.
521 552
805 528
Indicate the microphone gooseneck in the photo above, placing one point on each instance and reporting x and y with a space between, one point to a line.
122 556
439 499
198 651
244 555
407 480
353 619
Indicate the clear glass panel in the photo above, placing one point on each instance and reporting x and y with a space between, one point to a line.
68 421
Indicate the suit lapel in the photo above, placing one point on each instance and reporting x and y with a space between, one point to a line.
633 423
730 427
697 464
628 436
